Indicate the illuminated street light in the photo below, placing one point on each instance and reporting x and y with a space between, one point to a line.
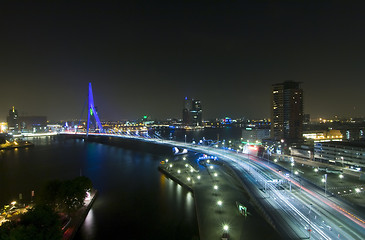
198 176
340 176
188 179
178 171
215 187
219 203
215 174
275 160
167 160
357 190
225 227
184 158
186 165
211 167
296 173
208 161
191 170
170 165
316 169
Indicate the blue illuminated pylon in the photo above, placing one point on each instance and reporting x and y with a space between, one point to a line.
92 112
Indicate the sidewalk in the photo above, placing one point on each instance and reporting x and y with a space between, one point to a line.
216 194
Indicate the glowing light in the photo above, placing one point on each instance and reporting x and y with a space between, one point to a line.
198 177
215 174
215 187
178 171
225 227
219 203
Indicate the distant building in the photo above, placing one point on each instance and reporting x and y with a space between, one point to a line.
12 120
287 112
307 118
25 123
347 154
255 134
32 123
192 112
324 135
186 111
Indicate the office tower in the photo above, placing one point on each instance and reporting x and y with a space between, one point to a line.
12 120
186 111
192 112
196 113
287 112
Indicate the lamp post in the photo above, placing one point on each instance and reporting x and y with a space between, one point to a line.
324 180
309 229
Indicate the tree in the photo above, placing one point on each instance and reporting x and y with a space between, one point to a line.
40 222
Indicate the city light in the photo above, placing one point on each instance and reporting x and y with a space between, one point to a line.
219 203
225 227
215 187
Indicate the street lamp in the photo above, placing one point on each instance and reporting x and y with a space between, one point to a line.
219 203
324 180
225 228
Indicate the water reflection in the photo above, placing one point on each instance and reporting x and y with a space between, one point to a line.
132 192
88 228
189 203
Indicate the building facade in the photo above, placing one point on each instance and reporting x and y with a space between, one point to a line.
25 123
287 112
192 112
12 120
346 154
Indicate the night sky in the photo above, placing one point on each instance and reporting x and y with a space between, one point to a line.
145 57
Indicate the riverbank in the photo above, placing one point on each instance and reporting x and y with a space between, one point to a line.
79 217
12 145
217 195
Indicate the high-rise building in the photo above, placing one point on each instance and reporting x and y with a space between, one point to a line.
192 112
196 113
287 112
12 120
186 111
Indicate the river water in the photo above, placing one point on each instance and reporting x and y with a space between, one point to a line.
135 200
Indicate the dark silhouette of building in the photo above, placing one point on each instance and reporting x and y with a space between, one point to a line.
186 111
12 120
192 112
25 123
287 112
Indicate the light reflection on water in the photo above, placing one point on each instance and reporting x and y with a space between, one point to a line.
88 228
132 192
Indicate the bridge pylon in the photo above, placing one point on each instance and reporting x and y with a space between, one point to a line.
92 113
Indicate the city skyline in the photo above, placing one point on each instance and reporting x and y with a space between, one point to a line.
144 58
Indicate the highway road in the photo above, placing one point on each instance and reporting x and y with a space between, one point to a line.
298 209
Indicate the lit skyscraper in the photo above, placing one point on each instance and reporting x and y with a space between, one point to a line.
192 112
287 111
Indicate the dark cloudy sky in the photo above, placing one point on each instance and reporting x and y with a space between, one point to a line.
145 57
